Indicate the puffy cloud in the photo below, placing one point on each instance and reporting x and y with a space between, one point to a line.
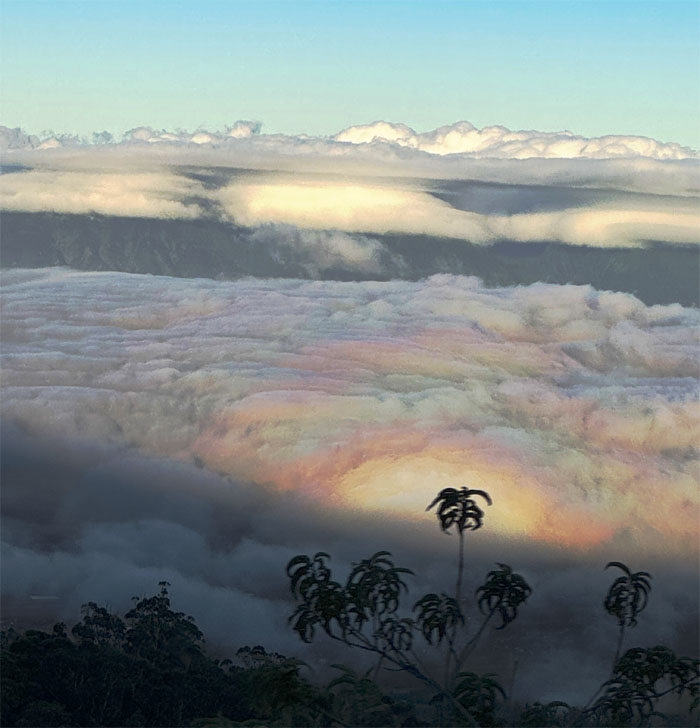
141 135
242 146
498 141
16 139
461 138
243 129
319 253
326 185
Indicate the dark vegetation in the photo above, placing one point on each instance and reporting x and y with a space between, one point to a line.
149 667
213 248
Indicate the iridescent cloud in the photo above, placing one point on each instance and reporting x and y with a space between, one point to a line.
577 409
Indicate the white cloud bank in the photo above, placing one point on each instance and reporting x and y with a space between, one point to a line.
461 138
324 205
160 194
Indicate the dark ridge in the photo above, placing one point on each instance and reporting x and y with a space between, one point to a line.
657 273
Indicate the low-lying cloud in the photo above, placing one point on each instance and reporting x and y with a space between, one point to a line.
86 522
160 194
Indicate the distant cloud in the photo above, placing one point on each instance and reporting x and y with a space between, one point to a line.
359 206
371 180
461 138
498 141
239 130
16 139
321 251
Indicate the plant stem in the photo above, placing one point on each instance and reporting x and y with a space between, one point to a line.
620 638
400 660
451 655
460 569
472 642
376 669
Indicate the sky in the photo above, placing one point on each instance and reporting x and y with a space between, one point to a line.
317 67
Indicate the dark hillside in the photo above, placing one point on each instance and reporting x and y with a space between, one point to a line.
209 248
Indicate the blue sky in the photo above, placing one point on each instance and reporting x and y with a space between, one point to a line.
317 67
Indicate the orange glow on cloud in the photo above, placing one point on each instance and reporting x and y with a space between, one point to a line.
401 471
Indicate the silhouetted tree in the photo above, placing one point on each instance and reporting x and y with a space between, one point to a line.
362 613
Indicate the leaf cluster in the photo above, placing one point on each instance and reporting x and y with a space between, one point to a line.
628 595
437 613
357 700
480 695
537 715
459 508
503 592
371 594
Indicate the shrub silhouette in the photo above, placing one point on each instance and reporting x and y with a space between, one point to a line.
364 612
150 667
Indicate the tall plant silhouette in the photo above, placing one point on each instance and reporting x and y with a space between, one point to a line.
626 599
459 508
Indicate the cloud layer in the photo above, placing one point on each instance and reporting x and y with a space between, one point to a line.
568 404
204 431
463 210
